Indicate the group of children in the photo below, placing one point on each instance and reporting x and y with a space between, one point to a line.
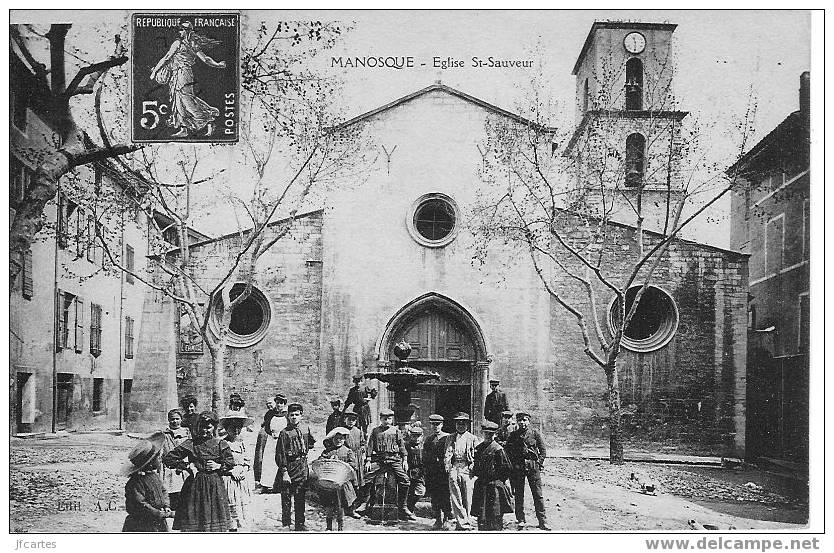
191 474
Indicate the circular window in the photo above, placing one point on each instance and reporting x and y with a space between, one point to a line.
432 220
250 318
652 325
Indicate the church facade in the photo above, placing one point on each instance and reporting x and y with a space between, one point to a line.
391 259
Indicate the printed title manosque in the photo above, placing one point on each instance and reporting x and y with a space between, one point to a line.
196 21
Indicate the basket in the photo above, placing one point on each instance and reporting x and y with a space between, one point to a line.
330 473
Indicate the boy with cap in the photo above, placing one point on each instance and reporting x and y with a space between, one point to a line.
294 442
495 403
526 450
387 448
356 442
491 497
458 458
437 481
416 470
335 419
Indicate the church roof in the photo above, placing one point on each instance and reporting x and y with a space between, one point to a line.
438 87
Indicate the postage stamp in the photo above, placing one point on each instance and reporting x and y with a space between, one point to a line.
185 77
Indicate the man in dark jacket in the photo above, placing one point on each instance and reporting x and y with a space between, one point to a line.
361 397
526 450
495 403
491 497
437 482
387 448
294 442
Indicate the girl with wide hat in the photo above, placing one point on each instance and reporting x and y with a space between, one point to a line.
204 503
146 500
238 487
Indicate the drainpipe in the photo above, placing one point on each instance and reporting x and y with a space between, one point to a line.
55 307
121 322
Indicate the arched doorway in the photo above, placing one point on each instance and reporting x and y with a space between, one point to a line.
445 338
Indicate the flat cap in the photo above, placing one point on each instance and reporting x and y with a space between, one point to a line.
493 381
489 426
335 402
280 398
461 416
506 413
386 413
350 412
520 414
415 430
294 407
436 418
357 378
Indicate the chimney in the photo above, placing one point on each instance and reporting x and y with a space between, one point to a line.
805 94
57 36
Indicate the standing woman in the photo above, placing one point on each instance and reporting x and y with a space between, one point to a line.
237 483
175 434
204 503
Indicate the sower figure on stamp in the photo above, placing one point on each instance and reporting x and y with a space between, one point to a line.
388 451
495 403
460 453
360 397
437 481
491 498
294 442
526 450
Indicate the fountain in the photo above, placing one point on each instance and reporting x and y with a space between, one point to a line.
402 380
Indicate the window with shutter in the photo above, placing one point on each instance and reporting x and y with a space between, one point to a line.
60 323
66 320
128 337
27 287
95 329
79 325
80 232
129 263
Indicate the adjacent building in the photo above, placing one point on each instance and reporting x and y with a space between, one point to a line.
770 221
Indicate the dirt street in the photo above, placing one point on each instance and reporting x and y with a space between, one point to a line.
71 484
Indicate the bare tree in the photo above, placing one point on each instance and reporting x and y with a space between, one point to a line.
556 189
291 148
70 147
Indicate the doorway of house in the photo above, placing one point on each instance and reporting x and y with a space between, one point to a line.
25 402
62 415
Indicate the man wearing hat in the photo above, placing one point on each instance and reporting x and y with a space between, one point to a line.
416 468
491 497
526 450
437 481
387 448
495 403
146 501
505 429
360 398
294 442
335 419
276 408
458 458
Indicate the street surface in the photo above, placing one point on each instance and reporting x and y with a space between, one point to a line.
71 484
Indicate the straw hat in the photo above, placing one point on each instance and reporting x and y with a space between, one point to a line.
142 454
237 416
338 430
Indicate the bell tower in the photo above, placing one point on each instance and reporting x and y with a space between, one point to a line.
626 148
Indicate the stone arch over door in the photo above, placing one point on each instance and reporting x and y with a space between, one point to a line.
447 338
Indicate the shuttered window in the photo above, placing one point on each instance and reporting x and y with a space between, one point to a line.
79 324
95 329
27 286
129 257
128 337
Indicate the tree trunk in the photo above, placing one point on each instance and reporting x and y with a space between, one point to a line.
218 366
615 439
